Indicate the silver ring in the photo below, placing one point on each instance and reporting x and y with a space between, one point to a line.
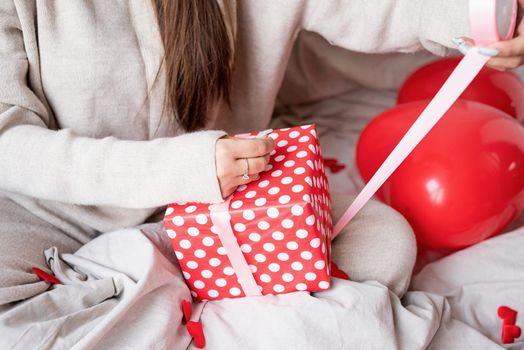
246 173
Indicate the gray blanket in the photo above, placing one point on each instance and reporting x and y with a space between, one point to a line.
124 290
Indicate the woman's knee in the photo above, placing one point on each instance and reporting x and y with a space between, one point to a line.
378 244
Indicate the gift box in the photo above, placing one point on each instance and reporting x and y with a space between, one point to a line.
271 236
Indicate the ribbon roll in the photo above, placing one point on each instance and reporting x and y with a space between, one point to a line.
491 21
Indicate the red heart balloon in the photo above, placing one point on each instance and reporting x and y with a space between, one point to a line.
502 90
462 184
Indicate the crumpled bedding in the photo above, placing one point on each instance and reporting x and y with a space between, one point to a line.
124 290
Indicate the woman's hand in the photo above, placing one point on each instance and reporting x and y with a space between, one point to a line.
231 155
511 52
507 54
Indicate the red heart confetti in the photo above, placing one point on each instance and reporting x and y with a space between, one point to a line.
187 309
507 315
197 332
46 277
330 161
338 273
510 333
334 165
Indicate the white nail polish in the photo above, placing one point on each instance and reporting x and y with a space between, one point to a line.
487 51
462 45
458 41
264 133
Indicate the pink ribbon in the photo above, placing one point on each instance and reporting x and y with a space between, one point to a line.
458 81
221 219
486 15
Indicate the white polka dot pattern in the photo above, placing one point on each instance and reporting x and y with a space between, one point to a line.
282 223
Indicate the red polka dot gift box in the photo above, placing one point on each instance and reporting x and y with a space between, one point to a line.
271 236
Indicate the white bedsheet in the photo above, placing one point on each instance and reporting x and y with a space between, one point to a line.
131 293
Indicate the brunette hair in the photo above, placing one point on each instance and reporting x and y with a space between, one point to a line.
197 58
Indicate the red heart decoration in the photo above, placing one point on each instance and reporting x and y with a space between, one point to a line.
338 273
334 165
462 184
502 90
46 277
507 315
187 309
329 161
197 332
510 333
337 168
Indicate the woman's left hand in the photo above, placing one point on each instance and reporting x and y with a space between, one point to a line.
511 52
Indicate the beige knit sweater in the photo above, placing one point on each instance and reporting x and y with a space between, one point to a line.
83 146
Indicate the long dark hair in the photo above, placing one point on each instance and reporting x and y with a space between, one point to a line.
197 58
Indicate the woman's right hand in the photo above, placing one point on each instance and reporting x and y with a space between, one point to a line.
231 155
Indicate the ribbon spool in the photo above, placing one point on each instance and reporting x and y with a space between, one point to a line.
490 21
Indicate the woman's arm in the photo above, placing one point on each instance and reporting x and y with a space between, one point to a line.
62 166
374 26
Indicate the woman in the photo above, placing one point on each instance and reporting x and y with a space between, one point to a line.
97 99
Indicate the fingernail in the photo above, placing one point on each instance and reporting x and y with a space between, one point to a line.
458 41
488 51
264 133
462 45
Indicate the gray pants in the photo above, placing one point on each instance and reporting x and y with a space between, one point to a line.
377 245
